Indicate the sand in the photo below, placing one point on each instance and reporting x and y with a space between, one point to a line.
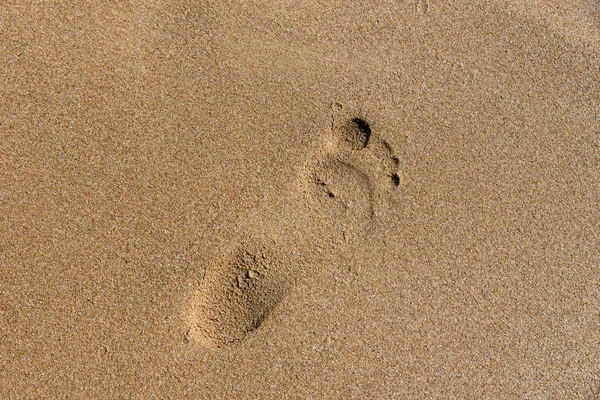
326 200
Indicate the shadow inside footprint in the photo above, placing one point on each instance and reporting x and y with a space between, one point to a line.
355 133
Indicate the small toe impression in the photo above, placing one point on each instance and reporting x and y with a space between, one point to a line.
355 133
395 179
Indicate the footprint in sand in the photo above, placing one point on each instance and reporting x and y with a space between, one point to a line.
331 210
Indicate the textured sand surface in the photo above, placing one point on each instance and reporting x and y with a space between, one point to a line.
387 200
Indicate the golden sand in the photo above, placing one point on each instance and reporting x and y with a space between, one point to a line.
327 200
